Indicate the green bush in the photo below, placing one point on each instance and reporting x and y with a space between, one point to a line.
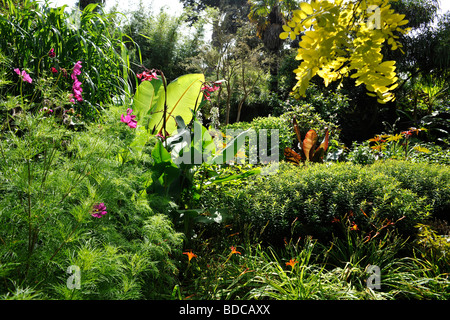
306 118
285 131
51 179
430 181
314 195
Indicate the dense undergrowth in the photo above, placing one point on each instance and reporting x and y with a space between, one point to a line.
94 206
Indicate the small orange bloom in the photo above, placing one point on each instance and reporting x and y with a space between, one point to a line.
354 226
233 250
190 255
292 263
335 220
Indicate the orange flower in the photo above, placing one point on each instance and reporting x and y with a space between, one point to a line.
335 220
233 250
190 255
354 226
292 263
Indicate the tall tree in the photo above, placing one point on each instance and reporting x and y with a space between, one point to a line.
269 17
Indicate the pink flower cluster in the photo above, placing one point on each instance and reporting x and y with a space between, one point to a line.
23 75
76 84
147 76
99 210
207 89
129 119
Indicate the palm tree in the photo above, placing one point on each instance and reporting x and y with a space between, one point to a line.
269 17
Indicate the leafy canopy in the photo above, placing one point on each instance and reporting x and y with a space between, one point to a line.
340 37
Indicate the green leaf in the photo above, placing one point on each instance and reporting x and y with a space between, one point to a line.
182 96
160 154
147 95
164 170
235 177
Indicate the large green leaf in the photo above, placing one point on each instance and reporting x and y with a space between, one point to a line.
182 96
145 100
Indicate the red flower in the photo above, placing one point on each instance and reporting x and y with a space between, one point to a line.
52 53
54 70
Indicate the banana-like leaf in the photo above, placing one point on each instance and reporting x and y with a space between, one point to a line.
324 144
309 144
320 151
145 100
297 132
182 96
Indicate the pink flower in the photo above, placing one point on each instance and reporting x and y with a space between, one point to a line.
54 70
99 210
23 75
159 135
129 119
146 76
76 84
76 69
210 88
52 53
46 110
207 89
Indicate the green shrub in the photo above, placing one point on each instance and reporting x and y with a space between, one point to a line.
51 178
314 195
430 181
285 131
306 118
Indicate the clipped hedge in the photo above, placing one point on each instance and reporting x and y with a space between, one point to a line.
315 194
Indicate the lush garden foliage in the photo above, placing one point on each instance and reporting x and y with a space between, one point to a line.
119 179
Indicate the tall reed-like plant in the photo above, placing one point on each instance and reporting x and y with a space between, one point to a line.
30 31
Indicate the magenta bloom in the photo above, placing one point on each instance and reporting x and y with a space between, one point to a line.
207 89
146 76
76 84
99 210
23 75
76 70
54 70
52 53
129 119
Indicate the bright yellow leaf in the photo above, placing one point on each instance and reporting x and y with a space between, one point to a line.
284 35
306 7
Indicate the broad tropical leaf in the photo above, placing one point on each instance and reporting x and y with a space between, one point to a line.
309 144
147 95
182 97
